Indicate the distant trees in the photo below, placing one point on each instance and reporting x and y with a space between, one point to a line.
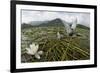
25 25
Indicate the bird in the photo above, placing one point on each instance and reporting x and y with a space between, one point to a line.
70 26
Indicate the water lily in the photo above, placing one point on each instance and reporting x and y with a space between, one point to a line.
33 50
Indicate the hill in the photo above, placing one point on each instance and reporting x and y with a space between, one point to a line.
82 26
36 23
55 22
24 25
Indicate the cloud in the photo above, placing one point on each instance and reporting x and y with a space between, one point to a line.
31 15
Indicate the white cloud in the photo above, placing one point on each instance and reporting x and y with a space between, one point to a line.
31 15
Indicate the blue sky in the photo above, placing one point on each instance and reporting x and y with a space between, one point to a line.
31 15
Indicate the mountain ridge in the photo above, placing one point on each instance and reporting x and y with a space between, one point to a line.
55 22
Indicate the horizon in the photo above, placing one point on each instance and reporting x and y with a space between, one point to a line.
32 16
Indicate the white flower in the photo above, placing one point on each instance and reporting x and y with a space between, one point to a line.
37 55
33 50
58 35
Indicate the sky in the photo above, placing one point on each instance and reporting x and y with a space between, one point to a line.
32 15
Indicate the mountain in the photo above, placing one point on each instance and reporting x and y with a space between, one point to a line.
35 23
55 22
24 25
82 26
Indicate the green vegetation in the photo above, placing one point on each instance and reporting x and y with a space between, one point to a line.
67 48
64 49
